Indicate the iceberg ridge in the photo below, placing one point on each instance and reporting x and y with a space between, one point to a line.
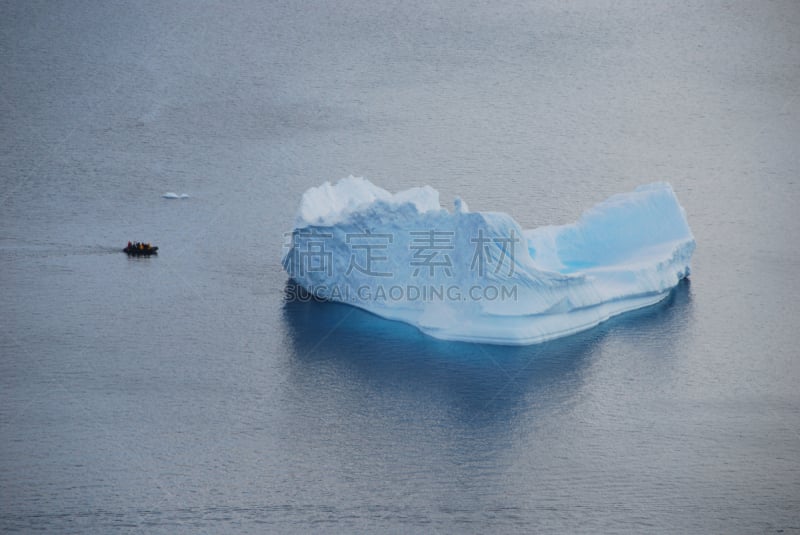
478 276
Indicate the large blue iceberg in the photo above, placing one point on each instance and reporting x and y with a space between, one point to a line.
478 276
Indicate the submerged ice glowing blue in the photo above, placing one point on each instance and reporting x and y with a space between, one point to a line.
478 276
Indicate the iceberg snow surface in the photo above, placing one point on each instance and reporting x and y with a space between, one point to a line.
478 276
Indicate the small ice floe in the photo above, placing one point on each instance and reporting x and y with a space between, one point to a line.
172 195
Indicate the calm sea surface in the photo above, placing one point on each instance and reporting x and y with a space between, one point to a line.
185 394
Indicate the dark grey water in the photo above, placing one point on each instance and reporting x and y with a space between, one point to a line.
184 394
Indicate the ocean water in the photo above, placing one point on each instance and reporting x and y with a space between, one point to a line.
186 393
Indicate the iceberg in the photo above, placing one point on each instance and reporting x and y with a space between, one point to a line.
478 276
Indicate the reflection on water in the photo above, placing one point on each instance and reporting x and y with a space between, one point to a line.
483 384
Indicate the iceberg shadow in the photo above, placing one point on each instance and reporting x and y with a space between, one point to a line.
480 384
